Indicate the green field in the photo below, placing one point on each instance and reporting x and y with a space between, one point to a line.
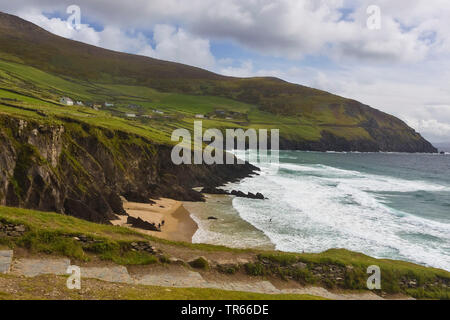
25 89
40 91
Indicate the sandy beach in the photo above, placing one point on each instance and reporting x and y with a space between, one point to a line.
178 224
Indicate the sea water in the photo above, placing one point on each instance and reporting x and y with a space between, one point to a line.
386 205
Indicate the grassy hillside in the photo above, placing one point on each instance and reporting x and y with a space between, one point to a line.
35 63
32 89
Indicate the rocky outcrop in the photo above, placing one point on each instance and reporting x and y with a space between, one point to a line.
82 170
12 230
236 193
141 224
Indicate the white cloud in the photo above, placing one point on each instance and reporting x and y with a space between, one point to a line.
172 44
437 130
286 28
419 96
178 45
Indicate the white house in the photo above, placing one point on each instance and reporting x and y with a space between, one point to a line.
80 103
200 116
67 101
107 104
131 115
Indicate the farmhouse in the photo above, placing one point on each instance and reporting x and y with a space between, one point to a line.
200 116
67 101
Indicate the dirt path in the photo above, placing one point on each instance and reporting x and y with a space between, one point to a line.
176 276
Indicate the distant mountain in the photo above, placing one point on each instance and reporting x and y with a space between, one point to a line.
310 119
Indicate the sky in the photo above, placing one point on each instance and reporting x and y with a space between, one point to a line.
394 57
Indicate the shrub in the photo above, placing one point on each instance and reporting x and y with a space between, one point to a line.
228 269
164 259
199 263
255 269
283 259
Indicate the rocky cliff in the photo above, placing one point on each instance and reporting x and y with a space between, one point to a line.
81 170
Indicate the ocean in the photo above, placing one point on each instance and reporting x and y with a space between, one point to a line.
386 205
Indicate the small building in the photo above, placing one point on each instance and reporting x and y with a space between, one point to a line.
80 103
200 116
130 115
67 101
107 104
158 111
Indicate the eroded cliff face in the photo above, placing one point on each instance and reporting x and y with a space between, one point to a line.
380 141
81 170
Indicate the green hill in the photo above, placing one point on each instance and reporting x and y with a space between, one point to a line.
37 68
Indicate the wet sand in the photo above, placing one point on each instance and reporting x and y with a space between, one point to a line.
229 229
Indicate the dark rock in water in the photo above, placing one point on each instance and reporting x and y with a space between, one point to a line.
141 224
211 190
240 194
260 196
212 218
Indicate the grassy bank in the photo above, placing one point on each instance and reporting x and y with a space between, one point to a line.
338 269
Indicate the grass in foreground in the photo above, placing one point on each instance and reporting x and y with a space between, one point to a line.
53 233
54 288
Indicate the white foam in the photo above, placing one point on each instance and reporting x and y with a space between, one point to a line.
368 182
328 207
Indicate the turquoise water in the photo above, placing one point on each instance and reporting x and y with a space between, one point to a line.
393 206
